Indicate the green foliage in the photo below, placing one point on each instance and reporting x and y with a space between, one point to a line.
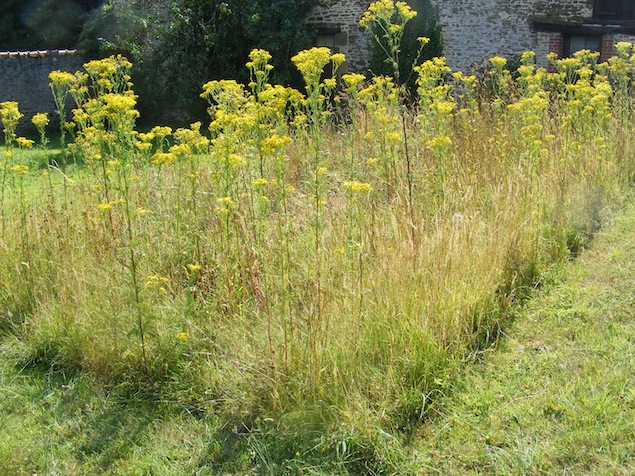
47 24
178 45
13 33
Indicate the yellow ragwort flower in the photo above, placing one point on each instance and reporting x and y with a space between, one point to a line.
357 187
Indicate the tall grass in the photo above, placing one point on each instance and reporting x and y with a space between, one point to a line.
292 268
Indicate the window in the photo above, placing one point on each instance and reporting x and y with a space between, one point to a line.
574 43
336 41
325 39
332 38
619 10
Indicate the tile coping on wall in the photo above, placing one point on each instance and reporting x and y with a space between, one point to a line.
37 53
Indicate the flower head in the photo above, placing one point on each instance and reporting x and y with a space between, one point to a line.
354 186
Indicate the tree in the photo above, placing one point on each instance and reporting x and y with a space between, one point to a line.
47 24
178 45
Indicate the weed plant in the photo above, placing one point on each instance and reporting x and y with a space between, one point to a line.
297 274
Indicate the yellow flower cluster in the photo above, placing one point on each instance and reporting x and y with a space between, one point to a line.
393 136
156 282
259 69
190 141
498 62
259 58
274 144
227 93
24 142
224 205
110 74
182 336
19 169
382 11
194 268
40 120
353 81
435 93
61 79
163 158
104 207
259 182
10 115
381 92
439 142
311 63
160 132
354 186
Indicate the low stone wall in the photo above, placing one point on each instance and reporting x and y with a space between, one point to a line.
24 78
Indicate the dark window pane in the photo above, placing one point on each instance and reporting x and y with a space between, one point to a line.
576 43
614 10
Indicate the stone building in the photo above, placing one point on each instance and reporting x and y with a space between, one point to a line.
474 30
338 28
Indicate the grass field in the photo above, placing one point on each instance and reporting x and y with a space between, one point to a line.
293 288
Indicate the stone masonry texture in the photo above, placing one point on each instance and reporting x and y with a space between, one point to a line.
475 30
344 15
24 78
472 30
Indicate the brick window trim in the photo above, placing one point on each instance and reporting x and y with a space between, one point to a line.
606 50
556 45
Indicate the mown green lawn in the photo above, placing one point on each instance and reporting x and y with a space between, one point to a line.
558 396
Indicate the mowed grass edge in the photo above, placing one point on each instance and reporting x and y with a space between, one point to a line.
557 397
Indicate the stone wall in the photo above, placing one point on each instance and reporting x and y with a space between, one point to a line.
473 30
24 78
622 37
340 18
